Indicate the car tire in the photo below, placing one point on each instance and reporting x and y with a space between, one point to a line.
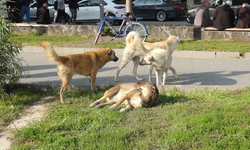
161 15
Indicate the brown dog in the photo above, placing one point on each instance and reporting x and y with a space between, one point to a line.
86 64
130 94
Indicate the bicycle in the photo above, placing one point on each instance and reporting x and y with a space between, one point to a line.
126 26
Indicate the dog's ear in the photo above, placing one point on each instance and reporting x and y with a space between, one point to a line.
151 58
110 51
155 90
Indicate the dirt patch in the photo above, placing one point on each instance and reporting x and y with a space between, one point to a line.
34 113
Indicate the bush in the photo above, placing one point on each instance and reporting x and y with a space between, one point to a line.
10 65
107 31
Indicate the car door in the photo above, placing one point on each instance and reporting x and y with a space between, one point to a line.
94 10
83 13
147 9
137 8
33 10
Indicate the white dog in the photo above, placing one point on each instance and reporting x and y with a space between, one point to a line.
135 49
161 59
169 45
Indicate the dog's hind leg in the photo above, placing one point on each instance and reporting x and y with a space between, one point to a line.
104 104
174 72
65 84
136 61
108 94
122 65
126 96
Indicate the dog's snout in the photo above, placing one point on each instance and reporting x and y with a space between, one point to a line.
116 59
142 62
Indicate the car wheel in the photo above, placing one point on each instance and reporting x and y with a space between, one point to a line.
161 15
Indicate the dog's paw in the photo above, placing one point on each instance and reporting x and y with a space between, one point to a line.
111 107
92 104
176 77
123 110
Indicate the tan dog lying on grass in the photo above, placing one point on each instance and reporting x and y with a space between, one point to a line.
131 94
86 64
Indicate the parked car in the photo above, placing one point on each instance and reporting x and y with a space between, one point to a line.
160 10
33 9
191 13
89 10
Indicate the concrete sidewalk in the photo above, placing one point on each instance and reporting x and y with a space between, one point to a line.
194 71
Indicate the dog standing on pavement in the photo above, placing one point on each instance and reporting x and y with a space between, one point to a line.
131 94
135 49
169 45
86 64
161 59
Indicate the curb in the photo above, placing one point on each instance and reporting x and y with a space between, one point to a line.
177 53
162 88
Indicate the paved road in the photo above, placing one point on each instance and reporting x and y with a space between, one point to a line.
193 72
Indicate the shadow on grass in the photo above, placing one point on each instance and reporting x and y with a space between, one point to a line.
171 97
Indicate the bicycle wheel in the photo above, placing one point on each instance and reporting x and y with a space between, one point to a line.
99 32
138 27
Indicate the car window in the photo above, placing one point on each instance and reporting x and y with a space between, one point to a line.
119 1
150 2
158 1
84 4
51 2
139 2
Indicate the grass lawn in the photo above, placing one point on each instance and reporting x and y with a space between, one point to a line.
202 119
66 40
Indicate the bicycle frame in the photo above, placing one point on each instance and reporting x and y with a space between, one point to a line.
116 32
124 28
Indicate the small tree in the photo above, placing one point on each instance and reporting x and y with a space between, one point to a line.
10 65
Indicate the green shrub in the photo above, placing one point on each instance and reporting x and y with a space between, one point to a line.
10 66
107 32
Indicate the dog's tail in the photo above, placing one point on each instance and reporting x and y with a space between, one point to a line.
133 37
50 52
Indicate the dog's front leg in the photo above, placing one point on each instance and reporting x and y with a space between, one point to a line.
158 76
93 78
97 102
165 72
150 70
122 99
127 108
136 61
